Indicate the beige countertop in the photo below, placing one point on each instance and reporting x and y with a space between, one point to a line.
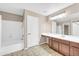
64 37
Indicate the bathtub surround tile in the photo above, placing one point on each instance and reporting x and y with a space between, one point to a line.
42 50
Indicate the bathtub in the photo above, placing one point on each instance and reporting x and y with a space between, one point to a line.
11 40
11 48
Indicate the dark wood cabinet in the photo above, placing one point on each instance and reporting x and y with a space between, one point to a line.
59 45
52 43
64 47
55 44
49 42
74 49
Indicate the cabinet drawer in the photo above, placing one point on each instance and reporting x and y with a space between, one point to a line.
64 41
74 44
56 39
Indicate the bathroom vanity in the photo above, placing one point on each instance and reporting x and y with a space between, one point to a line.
65 44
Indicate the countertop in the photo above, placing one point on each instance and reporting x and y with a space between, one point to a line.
64 37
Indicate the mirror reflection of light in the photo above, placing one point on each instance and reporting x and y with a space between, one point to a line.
58 16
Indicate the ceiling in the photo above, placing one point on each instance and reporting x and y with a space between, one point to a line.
41 8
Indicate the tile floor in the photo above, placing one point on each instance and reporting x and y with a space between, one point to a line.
41 50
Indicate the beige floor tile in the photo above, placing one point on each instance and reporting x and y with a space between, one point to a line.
42 50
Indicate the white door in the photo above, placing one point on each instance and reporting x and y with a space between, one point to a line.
32 31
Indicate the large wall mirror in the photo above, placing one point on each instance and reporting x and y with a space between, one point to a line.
68 25
63 28
68 28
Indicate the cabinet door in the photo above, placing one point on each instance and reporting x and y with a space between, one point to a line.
55 45
64 49
49 42
71 51
74 51
52 43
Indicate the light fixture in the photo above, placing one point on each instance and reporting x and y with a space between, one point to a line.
58 16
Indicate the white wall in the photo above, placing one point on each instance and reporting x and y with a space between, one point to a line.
11 32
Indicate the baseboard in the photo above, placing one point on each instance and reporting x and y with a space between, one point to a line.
37 45
10 49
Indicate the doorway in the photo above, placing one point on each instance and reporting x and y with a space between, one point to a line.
66 29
